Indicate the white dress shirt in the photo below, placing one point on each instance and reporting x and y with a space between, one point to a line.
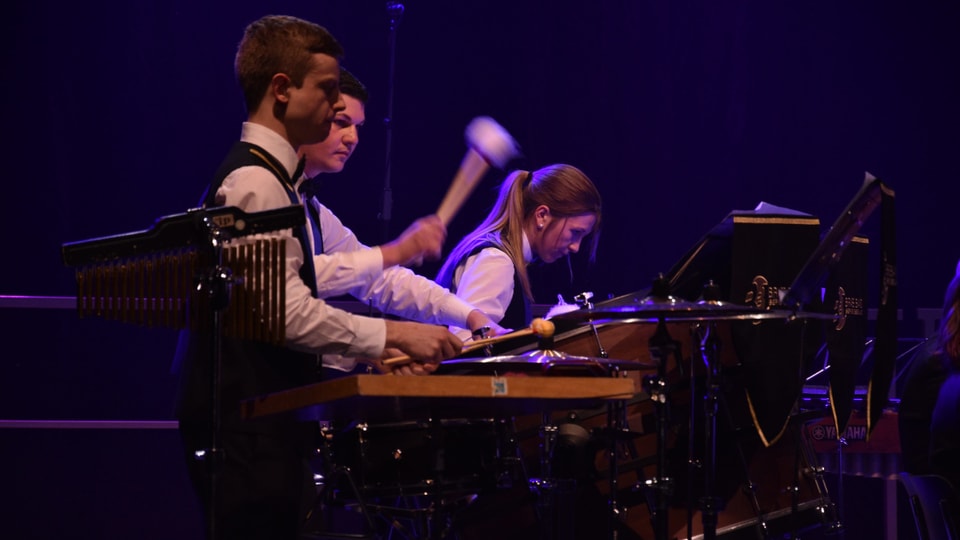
312 325
349 267
486 281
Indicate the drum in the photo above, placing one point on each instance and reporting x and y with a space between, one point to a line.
780 485
432 457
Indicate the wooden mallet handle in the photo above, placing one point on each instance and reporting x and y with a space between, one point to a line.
538 326
487 144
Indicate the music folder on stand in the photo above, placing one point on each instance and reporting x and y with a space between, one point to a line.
180 274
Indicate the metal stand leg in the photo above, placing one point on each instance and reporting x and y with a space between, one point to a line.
545 486
217 286
615 426
709 503
661 346
334 474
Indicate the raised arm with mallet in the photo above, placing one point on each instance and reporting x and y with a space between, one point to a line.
488 144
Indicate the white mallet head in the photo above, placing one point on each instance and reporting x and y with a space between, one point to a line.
491 141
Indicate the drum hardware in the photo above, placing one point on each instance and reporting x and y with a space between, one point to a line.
583 300
709 352
661 345
567 450
547 488
616 424
554 494
801 514
705 340
709 347
335 475
419 476
827 511
659 307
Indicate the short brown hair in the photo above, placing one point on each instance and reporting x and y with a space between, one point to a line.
279 44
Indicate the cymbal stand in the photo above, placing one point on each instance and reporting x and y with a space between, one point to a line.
709 503
617 427
546 487
661 347
550 490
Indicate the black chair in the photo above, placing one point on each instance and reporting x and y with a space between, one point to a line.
934 504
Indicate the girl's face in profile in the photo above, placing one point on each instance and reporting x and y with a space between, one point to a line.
561 236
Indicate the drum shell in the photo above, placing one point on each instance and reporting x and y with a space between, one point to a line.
448 457
775 474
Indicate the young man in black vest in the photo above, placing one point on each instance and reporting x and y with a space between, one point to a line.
289 71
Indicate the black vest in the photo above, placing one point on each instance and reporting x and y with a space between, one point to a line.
244 154
249 368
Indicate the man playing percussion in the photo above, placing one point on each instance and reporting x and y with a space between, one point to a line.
375 275
289 72
541 215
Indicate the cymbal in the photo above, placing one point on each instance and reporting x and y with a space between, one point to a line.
670 309
540 361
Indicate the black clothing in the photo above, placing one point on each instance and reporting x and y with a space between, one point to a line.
265 484
945 432
926 374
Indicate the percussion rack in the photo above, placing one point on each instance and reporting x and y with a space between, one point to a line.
175 274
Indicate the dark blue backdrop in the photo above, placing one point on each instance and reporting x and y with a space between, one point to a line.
118 112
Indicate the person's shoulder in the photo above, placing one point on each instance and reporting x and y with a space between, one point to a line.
253 188
492 253
254 176
952 384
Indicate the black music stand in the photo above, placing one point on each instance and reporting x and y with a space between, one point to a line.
803 295
688 276
827 254
805 287
203 230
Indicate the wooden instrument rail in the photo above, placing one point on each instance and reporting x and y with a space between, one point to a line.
386 397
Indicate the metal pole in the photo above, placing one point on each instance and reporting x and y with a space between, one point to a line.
394 14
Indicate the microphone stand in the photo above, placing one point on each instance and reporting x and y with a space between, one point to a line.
394 14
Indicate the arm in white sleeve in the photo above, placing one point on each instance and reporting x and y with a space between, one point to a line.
486 281
349 267
312 325
401 292
345 263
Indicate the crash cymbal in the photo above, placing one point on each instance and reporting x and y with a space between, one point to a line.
539 361
670 309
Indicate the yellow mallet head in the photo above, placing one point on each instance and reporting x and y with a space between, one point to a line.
542 327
